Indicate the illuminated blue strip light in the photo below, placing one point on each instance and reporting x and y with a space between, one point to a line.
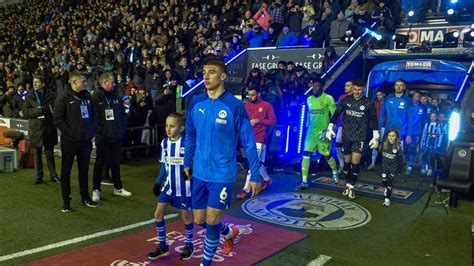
348 51
287 138
463 85
300 133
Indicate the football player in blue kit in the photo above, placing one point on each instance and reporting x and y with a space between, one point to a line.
395 111
216 120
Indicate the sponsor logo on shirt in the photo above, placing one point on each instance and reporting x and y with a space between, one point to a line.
389 155
354 113
307 211
221 121
176 161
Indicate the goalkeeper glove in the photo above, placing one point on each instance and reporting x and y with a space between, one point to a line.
374 142
329 132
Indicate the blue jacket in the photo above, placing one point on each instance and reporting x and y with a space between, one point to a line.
396 111
429 109
213 129
256 39
416 118
288 39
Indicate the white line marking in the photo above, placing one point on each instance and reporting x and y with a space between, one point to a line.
79 239
321 260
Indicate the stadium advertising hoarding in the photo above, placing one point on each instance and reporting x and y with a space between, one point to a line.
311 59
418 35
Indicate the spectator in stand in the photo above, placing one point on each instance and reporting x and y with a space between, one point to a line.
339 27
336 8
294 18
351 11
262 17
18 100
7 102
247 22
361 21
312 35
287 38
330 57
371 5
272 38
277 11
257 36
308 11
383 16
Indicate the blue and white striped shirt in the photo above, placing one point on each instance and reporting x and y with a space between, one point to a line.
172 158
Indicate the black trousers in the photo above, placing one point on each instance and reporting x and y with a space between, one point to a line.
82 152
49 152
112 153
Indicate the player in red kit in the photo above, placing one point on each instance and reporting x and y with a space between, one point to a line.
261 115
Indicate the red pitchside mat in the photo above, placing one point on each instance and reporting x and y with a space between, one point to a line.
256 242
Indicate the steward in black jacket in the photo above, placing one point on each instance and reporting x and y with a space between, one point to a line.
111 126
38 108
75 116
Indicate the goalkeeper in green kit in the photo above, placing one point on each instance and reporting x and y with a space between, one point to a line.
321 107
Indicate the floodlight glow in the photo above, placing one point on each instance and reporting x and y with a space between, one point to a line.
378 37
450 11
411 13
454 125
454 1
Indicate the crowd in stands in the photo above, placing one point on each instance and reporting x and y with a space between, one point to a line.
155 48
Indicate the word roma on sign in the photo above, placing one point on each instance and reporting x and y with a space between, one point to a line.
419 35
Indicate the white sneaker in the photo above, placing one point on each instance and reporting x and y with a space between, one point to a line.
386 202
351 193
122 192
96 195
346 190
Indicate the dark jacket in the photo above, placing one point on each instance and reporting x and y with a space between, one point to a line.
109 131
17 103
42 131
67 116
